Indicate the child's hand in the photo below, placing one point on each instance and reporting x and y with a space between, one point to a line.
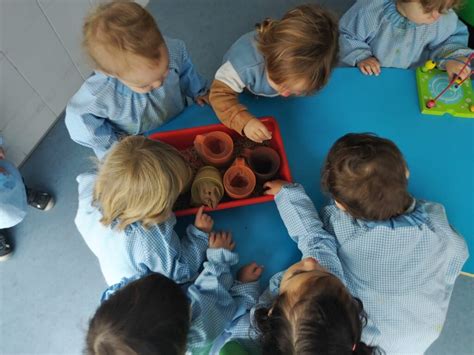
369 66
202 100
257 131
221 240
2 153
453 67
274 187
249 273
203 221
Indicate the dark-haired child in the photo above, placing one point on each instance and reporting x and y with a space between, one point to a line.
307 309
151 314
399 254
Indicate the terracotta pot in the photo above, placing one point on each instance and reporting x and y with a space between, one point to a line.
239 179
215 148
264 162
207 188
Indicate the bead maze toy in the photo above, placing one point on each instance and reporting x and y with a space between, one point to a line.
439 95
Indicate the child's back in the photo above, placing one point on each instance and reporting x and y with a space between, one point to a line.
125 213
403 268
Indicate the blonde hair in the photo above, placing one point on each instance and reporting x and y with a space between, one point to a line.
139 181
114 31
303 45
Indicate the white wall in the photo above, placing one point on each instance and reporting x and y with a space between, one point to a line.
41 67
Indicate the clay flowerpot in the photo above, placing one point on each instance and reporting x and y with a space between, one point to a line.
215 148
207 188
239 180
264 162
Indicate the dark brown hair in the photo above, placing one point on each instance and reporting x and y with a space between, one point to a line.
440 5
367 175
118 28
149 316
303 45
325 322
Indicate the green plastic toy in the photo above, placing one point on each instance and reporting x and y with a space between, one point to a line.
233 348
439 95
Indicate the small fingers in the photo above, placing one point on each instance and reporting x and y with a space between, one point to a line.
199 212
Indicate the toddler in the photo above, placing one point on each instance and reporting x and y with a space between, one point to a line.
152 314
404 34
291 56
308 308
125 213
399 254
141 80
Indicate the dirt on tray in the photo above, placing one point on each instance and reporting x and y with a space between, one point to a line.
195 161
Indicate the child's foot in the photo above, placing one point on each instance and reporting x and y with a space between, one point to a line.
40 200
5 247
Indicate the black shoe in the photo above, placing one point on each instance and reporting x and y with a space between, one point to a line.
5 247
40 200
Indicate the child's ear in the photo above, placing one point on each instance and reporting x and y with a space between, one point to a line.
407 173
340 205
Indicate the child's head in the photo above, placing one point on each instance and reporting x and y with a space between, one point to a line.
367 176
313 314
300 50
425 11
150 316
123 41
139 180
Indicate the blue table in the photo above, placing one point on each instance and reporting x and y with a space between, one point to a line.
439 152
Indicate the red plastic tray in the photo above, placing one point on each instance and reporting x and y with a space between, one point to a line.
184 138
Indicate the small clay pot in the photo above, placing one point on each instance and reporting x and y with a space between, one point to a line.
264 162
215 148
207 188
239 180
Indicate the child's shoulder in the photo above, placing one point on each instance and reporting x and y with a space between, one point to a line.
448 22
243 54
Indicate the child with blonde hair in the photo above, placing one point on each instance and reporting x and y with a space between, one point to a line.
399 254
125 213
151 314
404 34
141 79
291 56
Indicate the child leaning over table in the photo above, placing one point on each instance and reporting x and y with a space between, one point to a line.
141 80
151 314
125 213
399 254
403 34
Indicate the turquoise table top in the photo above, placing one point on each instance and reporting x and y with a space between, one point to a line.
439 151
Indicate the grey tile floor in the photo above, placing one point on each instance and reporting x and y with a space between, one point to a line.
50 286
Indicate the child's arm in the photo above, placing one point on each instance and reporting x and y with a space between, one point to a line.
356 31
166 253
215 298
224 98
87 129
191 82
451 43
304 226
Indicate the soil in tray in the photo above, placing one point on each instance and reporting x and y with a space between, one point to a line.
194 160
